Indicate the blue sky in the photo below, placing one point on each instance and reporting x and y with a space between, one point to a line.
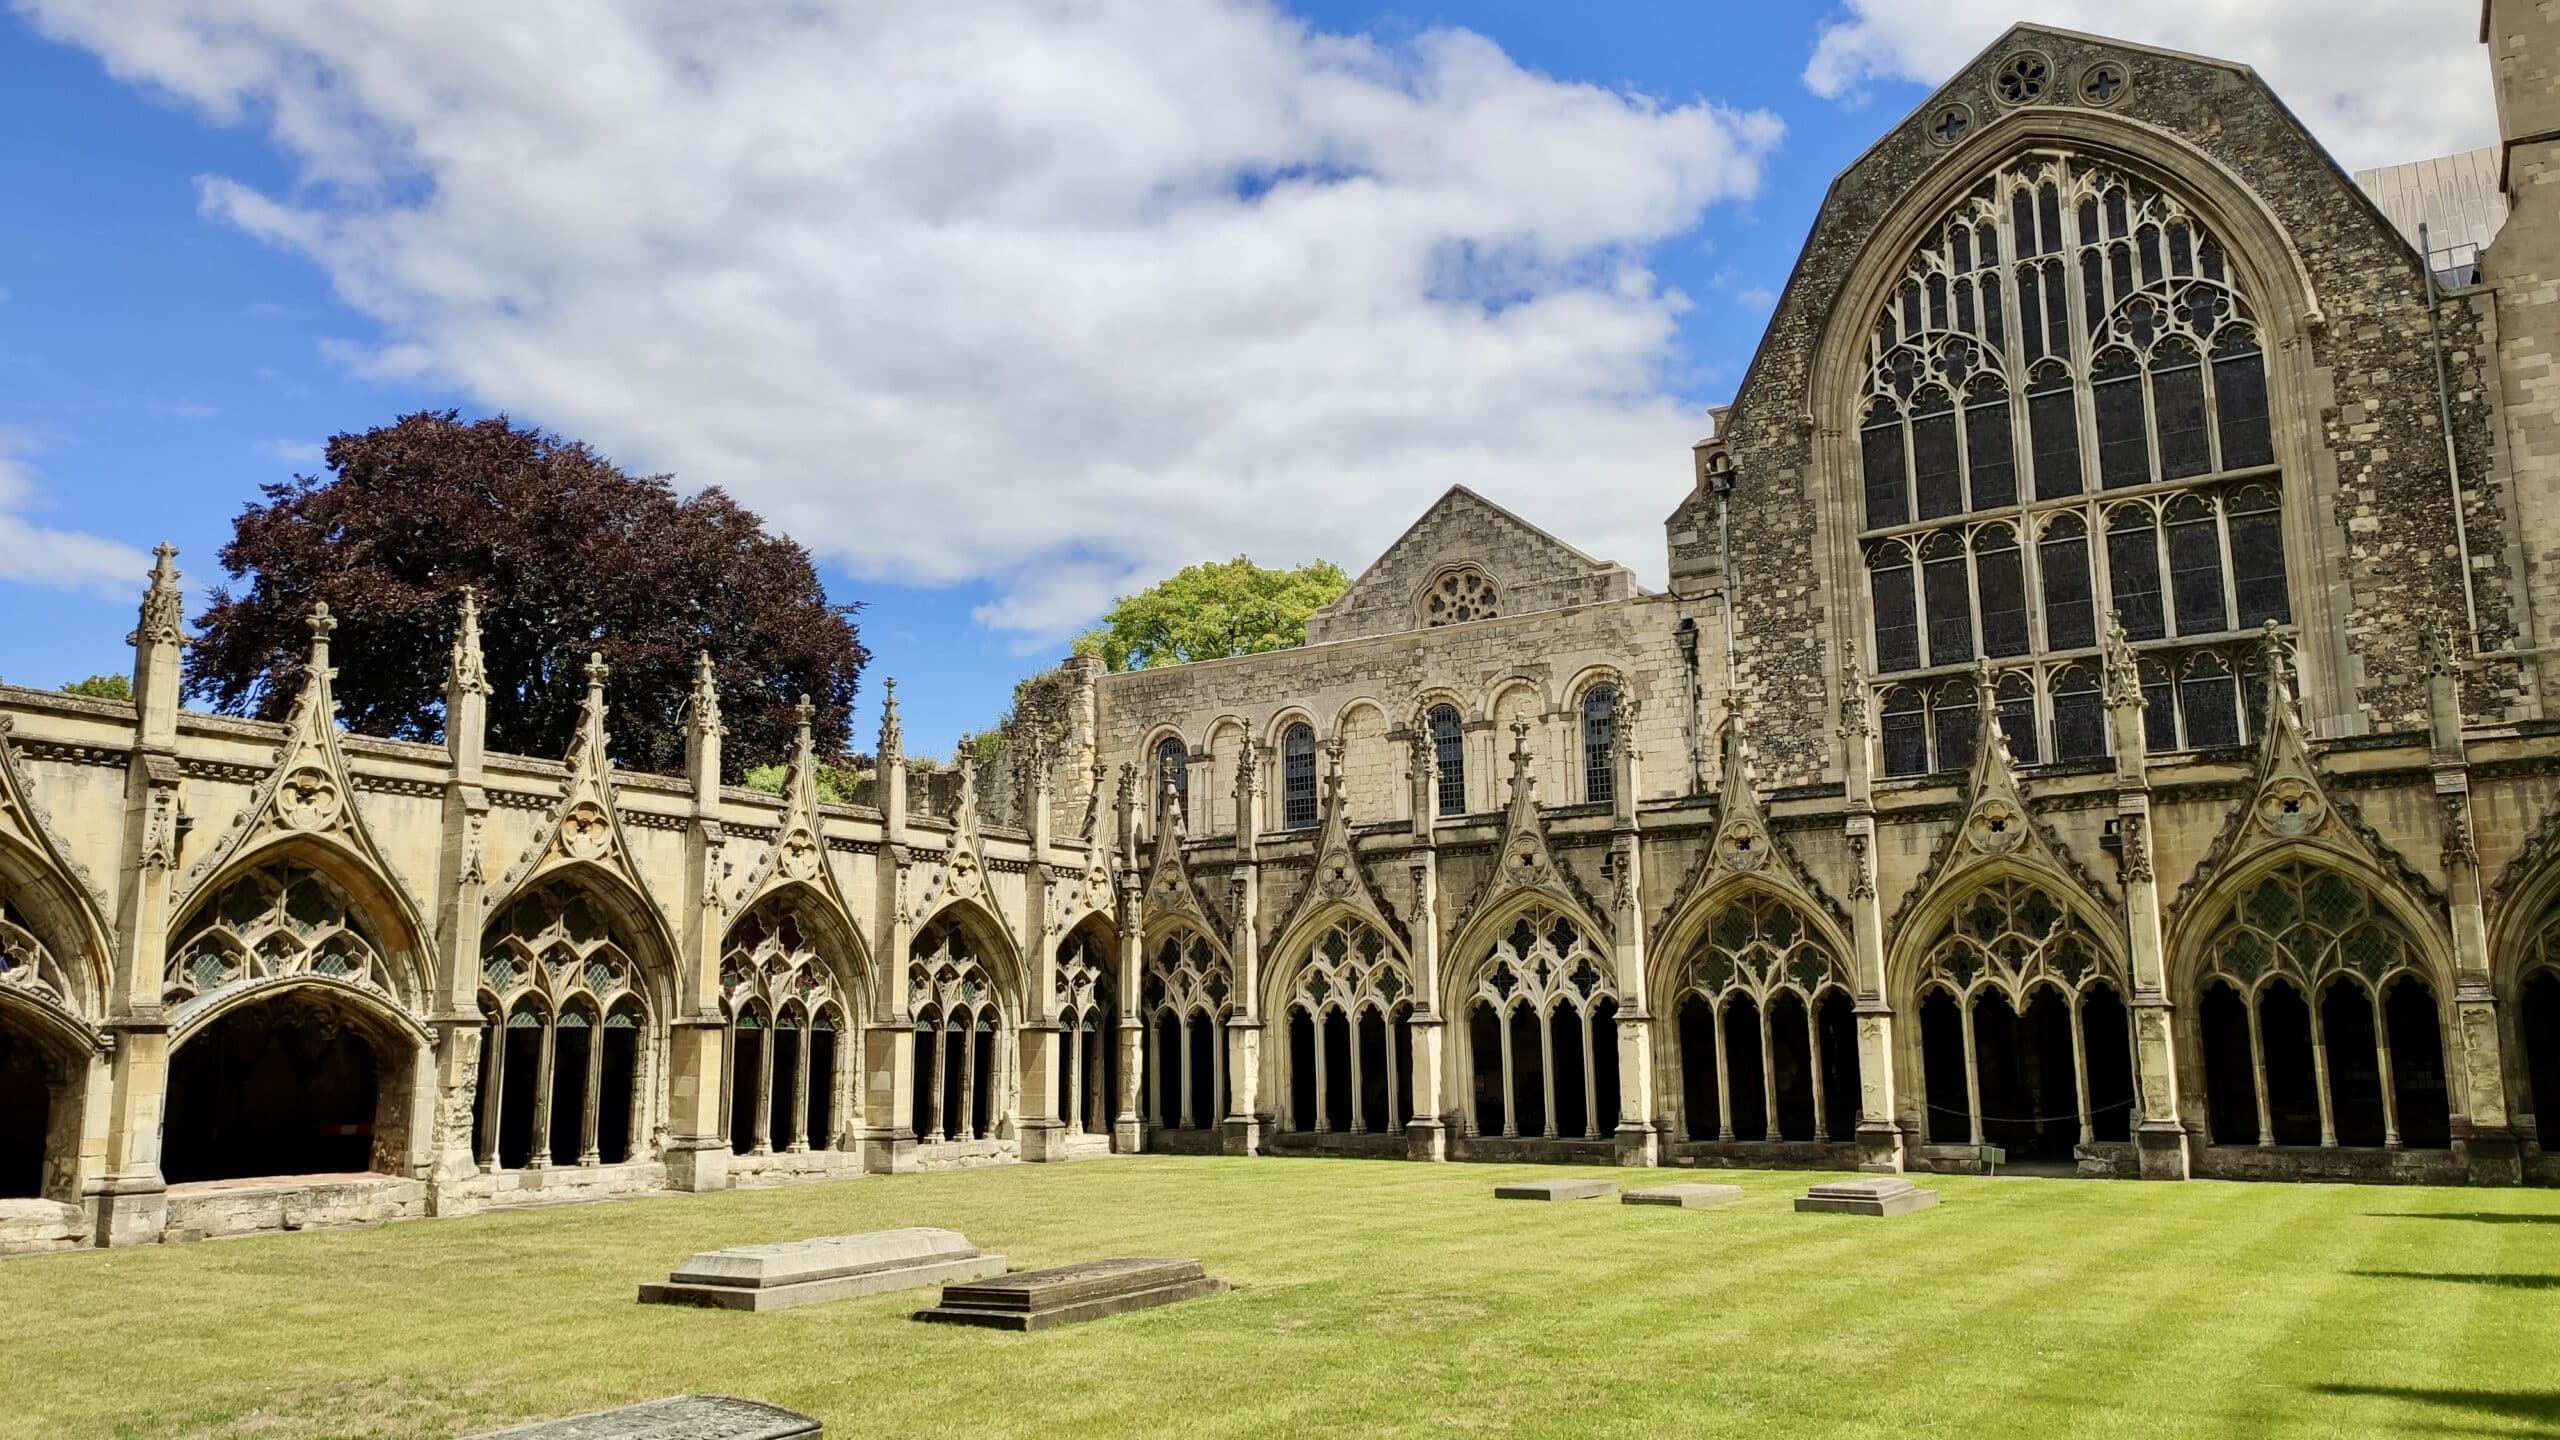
202 277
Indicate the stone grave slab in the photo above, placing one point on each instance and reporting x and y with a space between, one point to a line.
684 1417
1038 1299
1685 1197
830 1267
1556 1190
1878 1195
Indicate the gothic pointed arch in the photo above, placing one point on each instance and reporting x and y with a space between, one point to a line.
957 877
1743 856
1526 872
1998 836
2293 816
1338 881
54 946
797 856
1173 892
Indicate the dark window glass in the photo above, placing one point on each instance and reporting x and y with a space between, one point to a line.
1449 756
1599 732
1934 475
2124 454
2022 217
2195 569
2240 410
1173 763
1881 456
2177 396
2001 578
2070 614
1988 455
2210 705
1897 618
1298 777
2079 715
1955 726
2049 213
2018 721
2057 310
1906 735
1950 608
2159 708
2133 574
2257 565
2054 428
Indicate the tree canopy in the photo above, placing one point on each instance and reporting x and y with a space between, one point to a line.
1213 610
102 687
568 554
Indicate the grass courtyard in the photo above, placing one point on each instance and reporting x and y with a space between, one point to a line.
1371 1298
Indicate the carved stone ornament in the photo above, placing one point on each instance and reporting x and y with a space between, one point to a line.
1996 826
2290 807
586 832
799 857
308 799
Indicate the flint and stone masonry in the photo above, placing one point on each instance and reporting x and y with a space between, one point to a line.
2097 714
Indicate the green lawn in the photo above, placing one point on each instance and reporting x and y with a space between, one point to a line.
1370 1298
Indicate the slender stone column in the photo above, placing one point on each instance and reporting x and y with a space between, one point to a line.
965 1124
540 1159
1359 1091
2258 1073
2159 1130
496 1101
2382 1059
2080 1075
936 1128
1972 1076
1510 1083
588 1151
1768 1073
1813 1053
2320 1076
1881 1132
797 1142
1426 1135
2491 1153
1724 1068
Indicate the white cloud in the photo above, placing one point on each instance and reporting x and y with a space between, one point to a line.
2379 81
1061 296
304 453
31 554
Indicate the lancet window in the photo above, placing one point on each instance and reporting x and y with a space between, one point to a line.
1088 1021
1298 777
788 1021
1186 999
2317 1022
1350 1056
2066 414
1767 1029
1542 1032
562 1020
1448 758
2025 1038
959 1081
1599 736
281 919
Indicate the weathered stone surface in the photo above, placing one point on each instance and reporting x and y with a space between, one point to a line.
1877 1195
830 1267
683 1417
1556 1190
1039 1299
1685 1197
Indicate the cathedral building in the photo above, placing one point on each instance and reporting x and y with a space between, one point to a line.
2096 721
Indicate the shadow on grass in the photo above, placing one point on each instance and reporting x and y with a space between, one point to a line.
2485 1217
2537 1405
2502 1282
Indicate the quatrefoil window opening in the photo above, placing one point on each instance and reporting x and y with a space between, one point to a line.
2103 82
1952 123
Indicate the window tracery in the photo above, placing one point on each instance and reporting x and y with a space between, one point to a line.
1460 595
2066 414
787 1012
25 963
1088 1049
1187 997
562 1020
957 1016
1766 1029
1350 1035
1543 1026
281 919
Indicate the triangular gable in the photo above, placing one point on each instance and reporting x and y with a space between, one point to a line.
1523 860
27 823
1529 568
1999 826
2289 802
1338 877
960 872
1172 890
583 827
1743 845
307 792
798 854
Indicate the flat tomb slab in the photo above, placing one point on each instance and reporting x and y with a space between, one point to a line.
1686 1197
830 1267
684 1417
1038 1299
1556 1190
1879 1195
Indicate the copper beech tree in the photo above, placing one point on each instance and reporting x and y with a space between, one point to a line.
568 555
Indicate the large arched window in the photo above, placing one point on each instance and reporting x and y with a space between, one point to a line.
1767 1030
1298 777
1349 1056
282 919
561 1045
1449 758
959 1075
1088 1025
1543 1034
1173 767
2065 414
787 1012
1186 1000
2318 1024
1599 736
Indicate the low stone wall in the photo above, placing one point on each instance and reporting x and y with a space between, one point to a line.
1184 1142
29 1227
1762 1154
214 1208
966 1154
752 1172
2311 1162
553 1185
1533 1152
1390 1146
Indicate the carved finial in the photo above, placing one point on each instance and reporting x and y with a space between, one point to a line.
597 673
467 673
1855 725
806 713
2275 660
2121 677
1521 780
892 741
703 706
163 605
2444 648
322 625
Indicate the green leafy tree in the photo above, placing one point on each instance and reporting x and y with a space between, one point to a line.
1213 610
568 553
103 687
836 778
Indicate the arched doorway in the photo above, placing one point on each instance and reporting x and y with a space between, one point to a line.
287 1084
1088 1028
